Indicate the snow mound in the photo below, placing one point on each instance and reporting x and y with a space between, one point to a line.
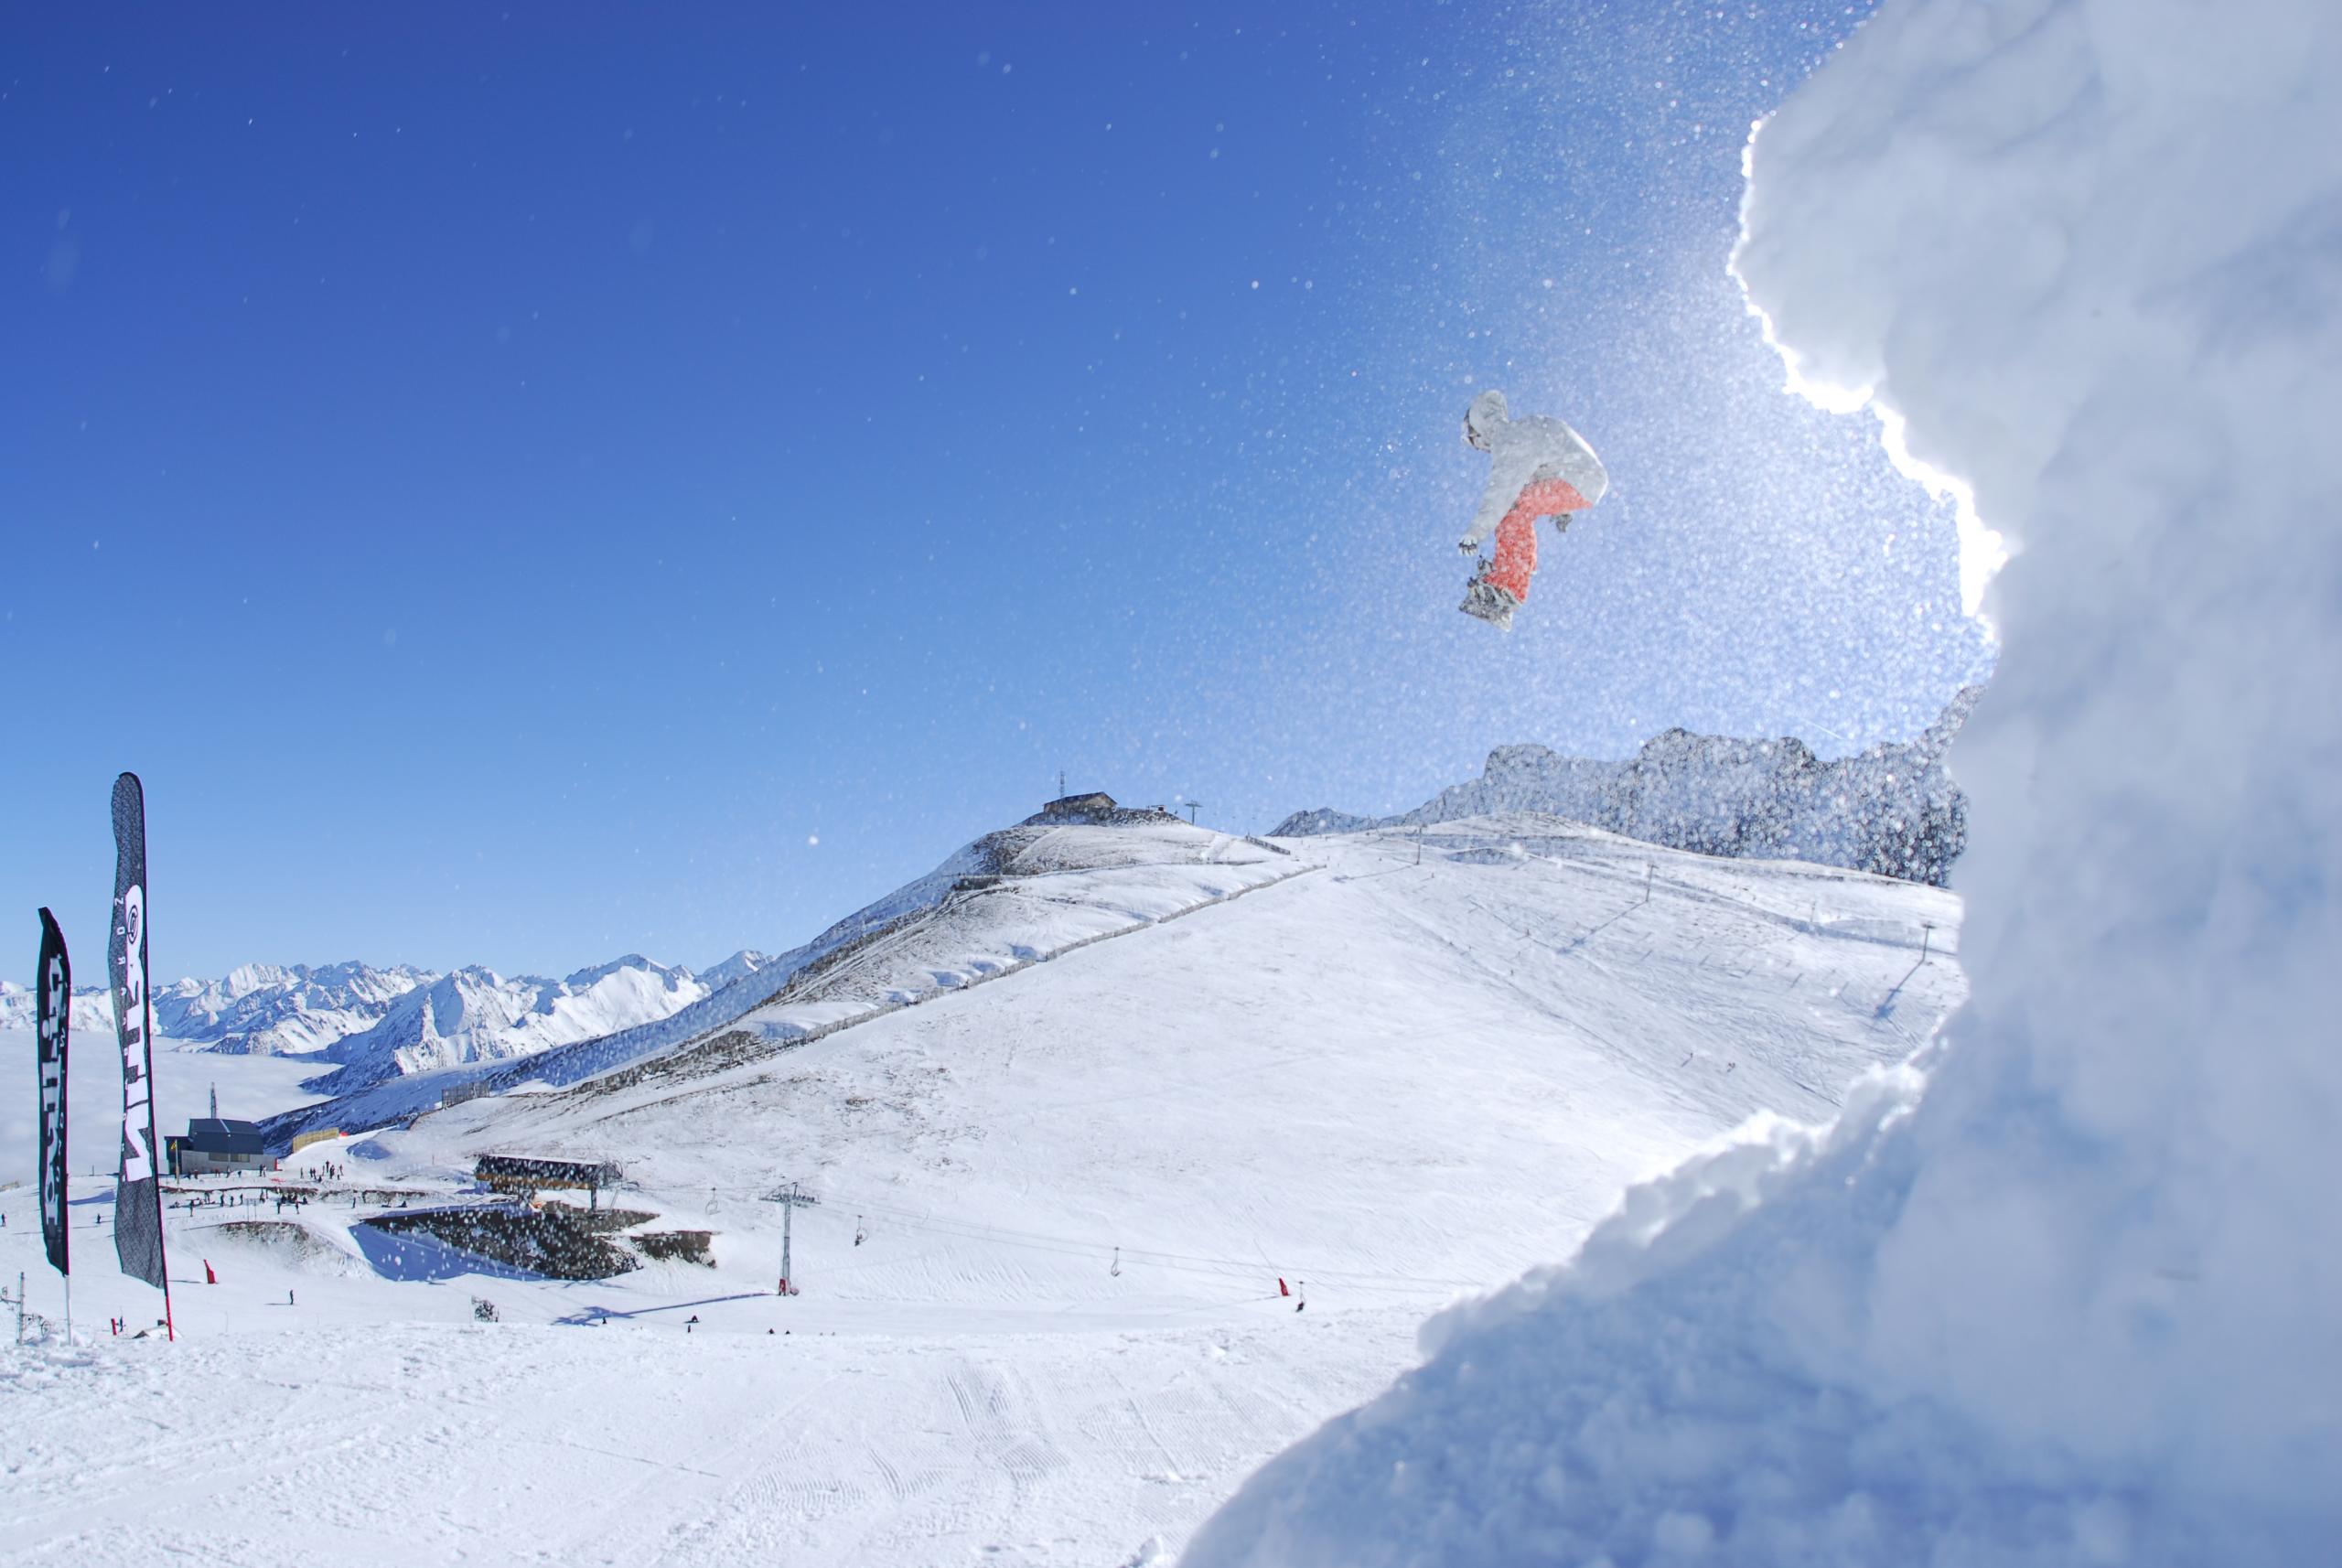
2065 1292
1660 1401
288 1244
1892 809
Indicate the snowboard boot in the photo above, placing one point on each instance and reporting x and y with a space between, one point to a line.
1490 603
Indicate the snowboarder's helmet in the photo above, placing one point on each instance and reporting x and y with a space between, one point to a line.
1488 411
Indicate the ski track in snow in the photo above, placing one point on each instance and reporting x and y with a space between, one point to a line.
1387 1082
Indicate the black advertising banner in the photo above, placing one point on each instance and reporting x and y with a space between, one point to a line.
53 1010
138 1190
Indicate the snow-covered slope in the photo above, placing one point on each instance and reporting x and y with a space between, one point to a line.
993 906
1892 809
2066 1293
1449 1018
1097 1091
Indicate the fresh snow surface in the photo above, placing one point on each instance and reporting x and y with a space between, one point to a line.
2066 1293
1388 1069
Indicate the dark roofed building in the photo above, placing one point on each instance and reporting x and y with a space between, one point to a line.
215 1145
513 1173
1096 803
1097 808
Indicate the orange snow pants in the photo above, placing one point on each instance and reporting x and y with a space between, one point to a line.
1516 560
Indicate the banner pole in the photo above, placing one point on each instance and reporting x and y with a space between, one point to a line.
52 1045
155 1147
138 1187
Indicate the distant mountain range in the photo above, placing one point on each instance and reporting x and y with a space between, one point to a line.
90 1009
1892 809
373 1024
265 1009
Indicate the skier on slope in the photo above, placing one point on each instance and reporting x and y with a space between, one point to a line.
1541 467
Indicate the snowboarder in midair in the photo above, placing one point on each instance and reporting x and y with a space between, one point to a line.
1540 468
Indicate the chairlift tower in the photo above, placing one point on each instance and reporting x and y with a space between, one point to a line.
1191 812
790 1201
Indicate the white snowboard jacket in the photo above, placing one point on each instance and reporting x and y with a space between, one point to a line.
1524 451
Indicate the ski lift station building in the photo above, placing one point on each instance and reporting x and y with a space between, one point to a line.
216 1145
1095 803
514 1173
1095 809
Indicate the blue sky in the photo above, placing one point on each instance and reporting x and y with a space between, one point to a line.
525 484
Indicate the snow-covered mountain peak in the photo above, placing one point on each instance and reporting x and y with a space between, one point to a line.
633 964
1892 808
738 967
476 1014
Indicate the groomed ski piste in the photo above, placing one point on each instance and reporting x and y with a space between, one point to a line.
1074 1120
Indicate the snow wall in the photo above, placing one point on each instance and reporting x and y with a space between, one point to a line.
2066 1289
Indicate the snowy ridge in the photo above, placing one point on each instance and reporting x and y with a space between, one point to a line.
1892 809
1006 900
